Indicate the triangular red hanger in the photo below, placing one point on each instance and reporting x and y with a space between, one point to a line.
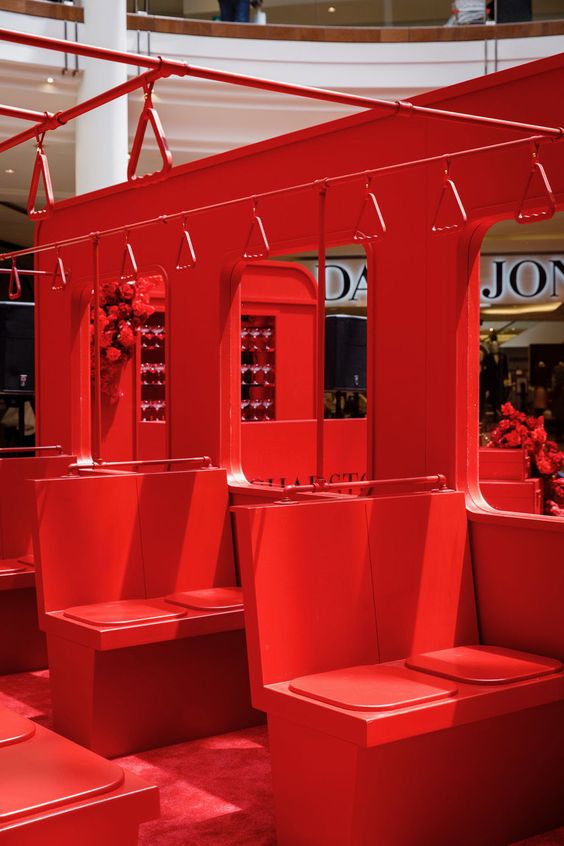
370 222
257 246
149 115
40 169
59 281
451 214
186 258
538 202
128 263
14 285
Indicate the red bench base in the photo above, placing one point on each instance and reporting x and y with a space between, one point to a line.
121 701
491 783
22 644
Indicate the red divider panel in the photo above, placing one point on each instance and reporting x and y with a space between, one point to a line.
422 573
88 540
306 569
185 530
16 506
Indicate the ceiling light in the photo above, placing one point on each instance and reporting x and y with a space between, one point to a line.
50 80
331 9
509 310
9 170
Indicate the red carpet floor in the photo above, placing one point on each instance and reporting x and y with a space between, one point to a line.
214 792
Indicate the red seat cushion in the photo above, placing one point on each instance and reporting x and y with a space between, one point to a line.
212 599
371 687
10 566
13 728
49 771
124 612
483 664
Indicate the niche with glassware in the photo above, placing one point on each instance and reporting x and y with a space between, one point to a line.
258 367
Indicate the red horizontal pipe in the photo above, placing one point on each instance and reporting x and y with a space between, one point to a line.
347 177
23 114
392 107
22 272
380 484
58 447
53 121
202 460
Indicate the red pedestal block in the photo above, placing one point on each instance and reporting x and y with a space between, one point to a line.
143 618
389 722
55 793
22 644
504 463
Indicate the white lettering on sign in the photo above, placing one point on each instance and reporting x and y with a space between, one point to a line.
504 280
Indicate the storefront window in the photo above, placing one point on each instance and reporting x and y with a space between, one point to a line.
522 366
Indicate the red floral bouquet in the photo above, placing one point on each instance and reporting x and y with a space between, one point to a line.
516 429
124 308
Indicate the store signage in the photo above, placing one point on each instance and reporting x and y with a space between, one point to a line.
504 280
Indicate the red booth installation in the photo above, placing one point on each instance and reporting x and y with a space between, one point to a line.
404 639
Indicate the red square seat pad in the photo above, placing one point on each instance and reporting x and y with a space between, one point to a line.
483 664
210 599
371 687
13 728
124 612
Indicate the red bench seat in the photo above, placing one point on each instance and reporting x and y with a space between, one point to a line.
137 592
389 722
55 792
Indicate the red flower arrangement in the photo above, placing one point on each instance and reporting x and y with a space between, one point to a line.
516 429
124 308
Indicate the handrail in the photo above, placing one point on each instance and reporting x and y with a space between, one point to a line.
416 34
202 461
57 447
438 481
167 67
335 180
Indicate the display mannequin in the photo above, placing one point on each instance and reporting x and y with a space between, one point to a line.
496 374
558 399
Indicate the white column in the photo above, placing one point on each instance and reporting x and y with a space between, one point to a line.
101 135
388 12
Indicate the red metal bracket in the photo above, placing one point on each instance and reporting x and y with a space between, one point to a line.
128 263
537 178
450 207
40 169
14 285
149 115
370 223
257 246
186 258
59 282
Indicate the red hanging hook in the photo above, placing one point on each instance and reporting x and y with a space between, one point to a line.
40 169
450 206
537 178
257 246
59 280
186 258
370 224
128 263
14 285
149 115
